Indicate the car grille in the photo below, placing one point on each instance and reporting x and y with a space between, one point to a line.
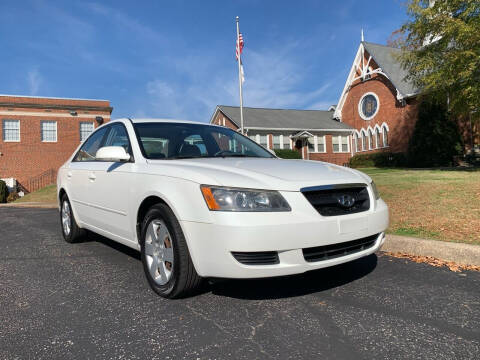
327 199
257 258
333 251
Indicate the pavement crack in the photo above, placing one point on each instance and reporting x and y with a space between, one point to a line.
225 331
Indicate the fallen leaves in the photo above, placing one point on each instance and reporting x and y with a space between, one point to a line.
430 260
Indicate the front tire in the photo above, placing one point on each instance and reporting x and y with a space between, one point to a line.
165 256
70 230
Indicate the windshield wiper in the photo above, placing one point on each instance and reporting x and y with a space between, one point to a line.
183 157
227 153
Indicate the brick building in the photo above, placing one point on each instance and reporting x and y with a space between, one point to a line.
377 111
312 132
38 134
377 101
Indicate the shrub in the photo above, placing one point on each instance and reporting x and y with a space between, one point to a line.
379 159
287 154
13 196
3 192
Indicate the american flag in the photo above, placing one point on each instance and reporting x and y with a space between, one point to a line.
239 48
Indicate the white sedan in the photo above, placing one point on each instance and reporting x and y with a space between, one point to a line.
202 201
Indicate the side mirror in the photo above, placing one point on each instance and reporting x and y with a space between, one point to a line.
112 153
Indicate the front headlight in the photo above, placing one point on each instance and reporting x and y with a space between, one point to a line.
375 190
234 199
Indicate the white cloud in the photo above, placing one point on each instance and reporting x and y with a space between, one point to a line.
274 78
34 80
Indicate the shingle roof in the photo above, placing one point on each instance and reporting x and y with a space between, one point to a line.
385 57
284 118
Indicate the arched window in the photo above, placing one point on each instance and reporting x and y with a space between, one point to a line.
364 141
356 141
370 140
385 137
377 136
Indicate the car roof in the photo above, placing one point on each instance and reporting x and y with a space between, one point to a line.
154 120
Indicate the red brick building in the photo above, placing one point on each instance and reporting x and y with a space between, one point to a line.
39 134
377 111
377 101
314 133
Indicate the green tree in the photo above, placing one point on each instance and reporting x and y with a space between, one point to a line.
435 139
441 40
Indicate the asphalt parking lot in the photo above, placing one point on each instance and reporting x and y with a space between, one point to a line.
91 300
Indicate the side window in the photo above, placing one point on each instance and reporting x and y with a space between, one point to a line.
88 151
118 137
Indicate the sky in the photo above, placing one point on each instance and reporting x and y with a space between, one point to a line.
176 59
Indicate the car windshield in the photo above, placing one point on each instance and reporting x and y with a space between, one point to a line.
183 140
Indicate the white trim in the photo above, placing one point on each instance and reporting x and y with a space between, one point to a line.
41 131
297 129
360 112
385 125
338 111
50 114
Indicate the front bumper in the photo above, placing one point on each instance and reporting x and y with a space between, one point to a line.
211 244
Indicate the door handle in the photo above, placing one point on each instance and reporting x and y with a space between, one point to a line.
92 176
69 175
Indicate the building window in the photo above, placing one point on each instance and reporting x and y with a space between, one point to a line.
286 142
385 137
370 140
377 136
49 131
340 143
311 144
321 144
356 140
368 106
86 128
364 141
264 141
276 142
11 130
345 146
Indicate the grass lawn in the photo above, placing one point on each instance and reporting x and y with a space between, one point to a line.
434 204
46 195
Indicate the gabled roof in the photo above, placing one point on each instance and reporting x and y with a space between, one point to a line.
388 65
386 58
260 118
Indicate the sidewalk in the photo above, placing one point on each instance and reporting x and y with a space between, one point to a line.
459 253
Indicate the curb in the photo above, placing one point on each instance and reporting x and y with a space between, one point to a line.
30 205
464 254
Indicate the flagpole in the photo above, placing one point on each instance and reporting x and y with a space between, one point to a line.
240 76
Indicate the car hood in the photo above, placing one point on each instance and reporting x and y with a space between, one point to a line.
260 173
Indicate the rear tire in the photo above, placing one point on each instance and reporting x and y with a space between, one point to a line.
165 256
70 230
